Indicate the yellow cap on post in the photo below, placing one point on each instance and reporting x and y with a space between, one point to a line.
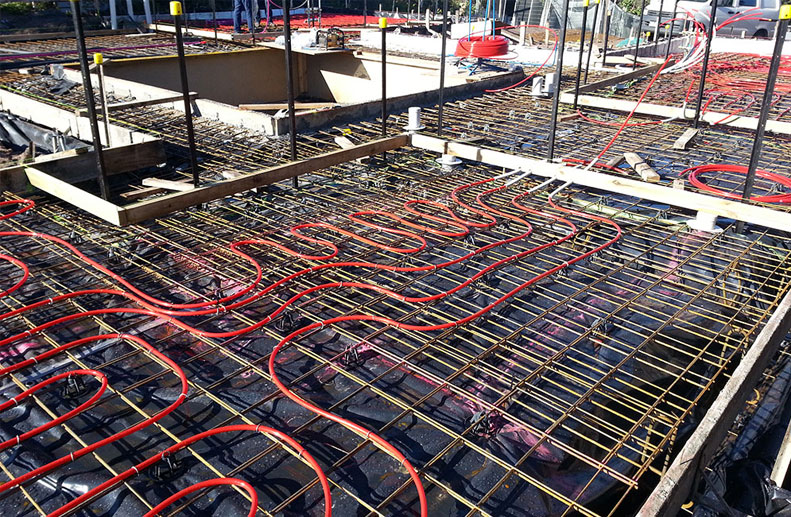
586 3
785 12
382 23
175 9
98 58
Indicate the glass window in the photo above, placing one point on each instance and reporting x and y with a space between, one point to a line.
748 3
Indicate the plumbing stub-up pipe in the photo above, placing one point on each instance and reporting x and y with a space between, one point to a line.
414 123
704 222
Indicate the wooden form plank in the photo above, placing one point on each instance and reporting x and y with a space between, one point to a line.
345 143
658 110
134 195
674 487
83 112
568 116
686 137
78 165
13 178
284 105
5 38
640 167
205 107
149 209
117 160
258 35
309 51
652 192
73 195
209 33
178 186
611 81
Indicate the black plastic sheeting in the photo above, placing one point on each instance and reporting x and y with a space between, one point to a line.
371 475
739 484
17 134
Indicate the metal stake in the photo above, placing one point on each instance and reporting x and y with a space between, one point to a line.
608 15
558 74
709 37
292 117
86 85
214 20
658 24
98 60
251 22
442 67
766 105
585 4
672 26
593 38
176 11
383 29
639 33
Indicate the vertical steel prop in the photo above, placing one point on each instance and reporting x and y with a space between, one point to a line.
658 24
558 74
705 69
292 117
177 12
89 101
214 20
593 38
639 34
608 17
766 105
98 60
672 26
585 5
383 29
251 20
442 67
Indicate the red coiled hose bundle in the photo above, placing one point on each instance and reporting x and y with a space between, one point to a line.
692 174
482 46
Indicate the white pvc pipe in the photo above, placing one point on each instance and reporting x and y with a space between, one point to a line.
130 9
415 122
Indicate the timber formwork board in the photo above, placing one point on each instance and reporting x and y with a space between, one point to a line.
187 197
140 211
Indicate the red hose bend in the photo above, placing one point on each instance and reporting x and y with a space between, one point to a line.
693 172
119 478
247 487
166 312
59 420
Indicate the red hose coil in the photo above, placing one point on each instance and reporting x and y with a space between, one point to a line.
693 172
482 46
